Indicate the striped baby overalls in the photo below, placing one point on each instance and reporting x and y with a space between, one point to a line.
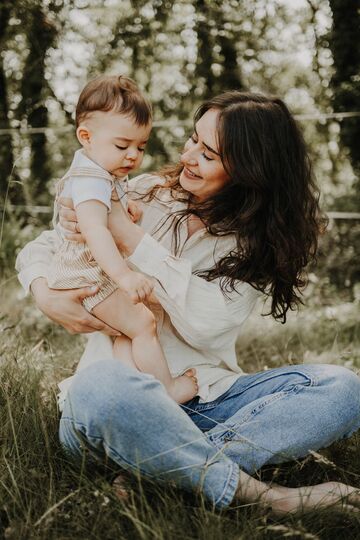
73 265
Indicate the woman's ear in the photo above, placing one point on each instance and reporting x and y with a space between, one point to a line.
83 135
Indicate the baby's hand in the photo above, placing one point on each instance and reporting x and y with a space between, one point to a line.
134 211
136 285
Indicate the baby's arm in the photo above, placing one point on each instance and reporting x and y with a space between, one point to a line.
92 218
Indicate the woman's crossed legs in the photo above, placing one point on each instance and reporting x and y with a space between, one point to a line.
115 412
278 415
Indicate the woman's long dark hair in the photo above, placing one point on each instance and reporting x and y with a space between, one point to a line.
270 203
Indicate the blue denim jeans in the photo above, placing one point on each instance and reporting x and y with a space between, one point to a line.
117 413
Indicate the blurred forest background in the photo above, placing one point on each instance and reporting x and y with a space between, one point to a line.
180 52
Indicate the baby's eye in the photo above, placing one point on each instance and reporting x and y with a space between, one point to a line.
141 149
121 147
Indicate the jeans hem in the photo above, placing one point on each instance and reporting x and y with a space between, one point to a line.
230 487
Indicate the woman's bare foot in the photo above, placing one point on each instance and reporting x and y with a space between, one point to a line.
121 487
283 500
184 388
334 495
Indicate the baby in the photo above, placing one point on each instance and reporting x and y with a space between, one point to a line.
113 124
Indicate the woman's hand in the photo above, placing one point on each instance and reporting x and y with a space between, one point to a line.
68 221
134 211
65 308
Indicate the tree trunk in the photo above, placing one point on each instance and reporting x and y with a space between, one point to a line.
41 36
345 47
6 148
203 72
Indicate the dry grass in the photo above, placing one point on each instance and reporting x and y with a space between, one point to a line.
42 496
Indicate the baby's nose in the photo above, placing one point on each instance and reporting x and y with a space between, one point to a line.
132 154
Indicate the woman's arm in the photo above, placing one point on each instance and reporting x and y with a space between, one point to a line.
197 308
65 308
62 307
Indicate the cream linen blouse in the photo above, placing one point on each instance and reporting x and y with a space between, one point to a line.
197 324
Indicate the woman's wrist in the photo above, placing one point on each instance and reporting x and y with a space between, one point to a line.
38 286
126 234
40 291
128 237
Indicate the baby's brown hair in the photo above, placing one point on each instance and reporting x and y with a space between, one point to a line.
113 93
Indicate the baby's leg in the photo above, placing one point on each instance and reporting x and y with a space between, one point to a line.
138 323
123 350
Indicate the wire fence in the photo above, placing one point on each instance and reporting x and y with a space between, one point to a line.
170 123
49 210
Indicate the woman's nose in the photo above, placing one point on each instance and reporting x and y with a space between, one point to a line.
189 156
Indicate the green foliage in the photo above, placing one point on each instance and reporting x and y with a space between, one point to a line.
345 81
179 52
338 263
15 232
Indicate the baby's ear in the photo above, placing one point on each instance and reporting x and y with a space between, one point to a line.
83 135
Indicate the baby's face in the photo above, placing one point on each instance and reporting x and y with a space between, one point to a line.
115 141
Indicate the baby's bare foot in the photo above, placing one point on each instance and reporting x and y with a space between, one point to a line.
185 387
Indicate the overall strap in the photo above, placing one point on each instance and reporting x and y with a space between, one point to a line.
78 172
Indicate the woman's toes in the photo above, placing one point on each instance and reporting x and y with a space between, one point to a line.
121 487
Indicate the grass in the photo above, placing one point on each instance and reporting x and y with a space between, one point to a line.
43 496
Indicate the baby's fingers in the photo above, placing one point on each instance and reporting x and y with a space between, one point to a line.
148 288
134 296
142 294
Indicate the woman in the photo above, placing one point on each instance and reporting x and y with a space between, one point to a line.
238 217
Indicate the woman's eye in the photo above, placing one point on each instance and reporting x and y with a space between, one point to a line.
206 157
193 139
121 147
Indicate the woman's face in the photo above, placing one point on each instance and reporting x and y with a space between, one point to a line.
203 174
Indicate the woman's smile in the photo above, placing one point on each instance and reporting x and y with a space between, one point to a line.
191 174
203 174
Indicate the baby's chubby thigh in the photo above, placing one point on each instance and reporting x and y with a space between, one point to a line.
119 312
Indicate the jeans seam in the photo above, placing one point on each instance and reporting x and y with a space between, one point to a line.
232 431
314 381
135 468
112 452
310 379
223 500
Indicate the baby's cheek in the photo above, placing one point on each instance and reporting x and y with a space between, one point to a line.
139 161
